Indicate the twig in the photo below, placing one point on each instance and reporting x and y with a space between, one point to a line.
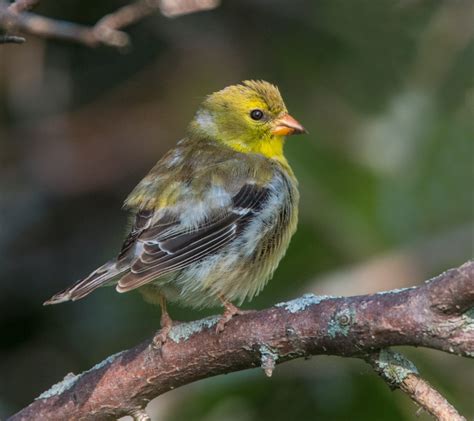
105 32
311 325
400 373
11 39
19 6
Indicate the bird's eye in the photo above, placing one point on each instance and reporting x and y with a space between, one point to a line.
256 114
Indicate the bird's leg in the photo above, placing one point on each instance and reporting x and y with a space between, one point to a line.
230 310
166 324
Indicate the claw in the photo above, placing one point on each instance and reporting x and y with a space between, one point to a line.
161 337
230 311
166 324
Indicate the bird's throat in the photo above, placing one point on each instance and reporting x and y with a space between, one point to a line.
270 147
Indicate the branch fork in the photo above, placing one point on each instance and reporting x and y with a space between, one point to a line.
438 314
15 17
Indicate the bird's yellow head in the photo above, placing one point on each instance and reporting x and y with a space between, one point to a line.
250 117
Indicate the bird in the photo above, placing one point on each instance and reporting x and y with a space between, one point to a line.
213 218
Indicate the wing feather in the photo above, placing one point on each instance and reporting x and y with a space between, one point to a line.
156 248
162 253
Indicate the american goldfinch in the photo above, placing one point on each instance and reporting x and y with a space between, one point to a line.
213 218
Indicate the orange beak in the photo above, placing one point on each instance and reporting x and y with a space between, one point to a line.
286 125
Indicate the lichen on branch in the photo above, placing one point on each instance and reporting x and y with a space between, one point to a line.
437 314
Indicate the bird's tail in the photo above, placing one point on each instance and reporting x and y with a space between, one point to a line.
104 275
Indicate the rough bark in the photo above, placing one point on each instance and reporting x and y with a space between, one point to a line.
438 314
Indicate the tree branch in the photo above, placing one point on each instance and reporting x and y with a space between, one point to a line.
106 31
400 373
11 39
19 6
438 314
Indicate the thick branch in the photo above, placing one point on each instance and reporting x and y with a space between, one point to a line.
438 314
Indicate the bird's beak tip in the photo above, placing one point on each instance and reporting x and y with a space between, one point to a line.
287 125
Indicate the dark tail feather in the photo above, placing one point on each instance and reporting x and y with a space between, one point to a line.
100 277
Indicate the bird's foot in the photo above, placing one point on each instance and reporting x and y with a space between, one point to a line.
230 311
162 335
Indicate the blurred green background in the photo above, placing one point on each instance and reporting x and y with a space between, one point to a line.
386 90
